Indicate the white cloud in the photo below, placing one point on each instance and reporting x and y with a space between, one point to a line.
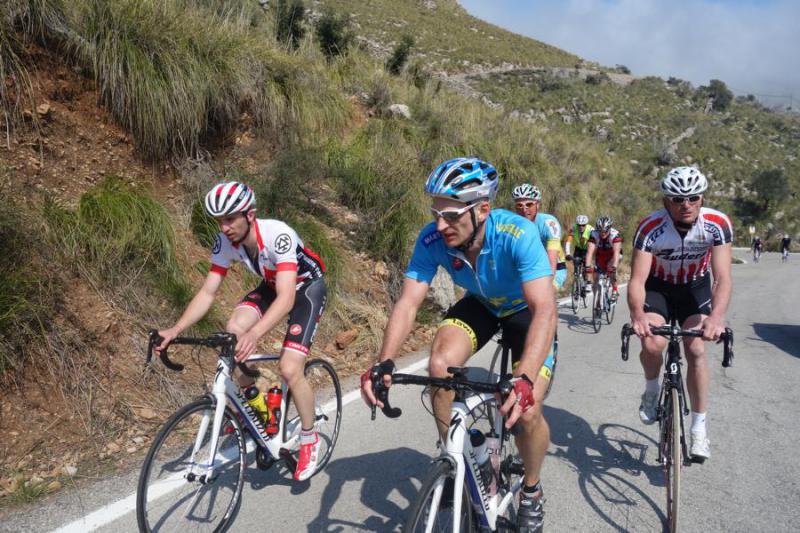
753 46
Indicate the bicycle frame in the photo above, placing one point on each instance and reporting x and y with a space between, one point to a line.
223 392
460 453
673 384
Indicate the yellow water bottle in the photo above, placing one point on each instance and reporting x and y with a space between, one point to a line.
256 400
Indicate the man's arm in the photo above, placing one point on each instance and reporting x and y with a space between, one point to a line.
588 260
617 250
640 269
721 260
196 309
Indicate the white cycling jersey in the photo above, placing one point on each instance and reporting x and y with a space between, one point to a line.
676 259
279 248
607 243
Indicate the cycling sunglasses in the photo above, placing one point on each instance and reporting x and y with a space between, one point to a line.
681 199
450 215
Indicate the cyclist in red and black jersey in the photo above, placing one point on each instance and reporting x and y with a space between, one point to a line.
292 284
673 250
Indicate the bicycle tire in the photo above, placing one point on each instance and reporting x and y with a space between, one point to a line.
677 462
419 514
149 503
597 311
576 294
324 381
611 306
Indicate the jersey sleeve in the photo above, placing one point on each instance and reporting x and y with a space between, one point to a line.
283 248
720 226
592 238
221 254
553 234
642 240
530 257
616 237
423 264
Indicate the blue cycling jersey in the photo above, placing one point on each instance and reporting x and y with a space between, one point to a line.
512 254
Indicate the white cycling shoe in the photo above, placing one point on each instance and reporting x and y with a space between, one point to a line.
701 447
648 409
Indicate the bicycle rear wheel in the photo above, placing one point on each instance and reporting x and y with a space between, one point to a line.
597 309
611 306
173 494
324 382
673 460
432 510
576 293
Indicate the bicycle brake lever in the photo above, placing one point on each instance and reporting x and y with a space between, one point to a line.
153 340
727 349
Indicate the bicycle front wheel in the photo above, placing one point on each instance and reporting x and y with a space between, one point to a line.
576 294
173 492
673 460
432 511
611 307
597 310
324 382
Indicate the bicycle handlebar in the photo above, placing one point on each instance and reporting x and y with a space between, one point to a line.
225 341
669 331
456 382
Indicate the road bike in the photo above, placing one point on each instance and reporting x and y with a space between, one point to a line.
459 493
499 368
578 286
193 474
603 302
672 450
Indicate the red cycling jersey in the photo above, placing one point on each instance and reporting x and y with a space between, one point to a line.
681 259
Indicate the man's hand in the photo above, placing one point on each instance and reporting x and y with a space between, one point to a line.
168 335
246 345
366 382
713 327
641 326
519 403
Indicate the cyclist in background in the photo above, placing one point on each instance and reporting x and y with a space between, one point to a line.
757 246
786 243
499 259
605 248
673 250
527 199
292 283
580 233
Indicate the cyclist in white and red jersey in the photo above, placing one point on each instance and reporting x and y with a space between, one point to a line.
292 283
673 250
605 248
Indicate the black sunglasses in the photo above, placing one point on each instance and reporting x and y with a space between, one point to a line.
681 199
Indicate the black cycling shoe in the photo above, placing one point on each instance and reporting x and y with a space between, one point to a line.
530 515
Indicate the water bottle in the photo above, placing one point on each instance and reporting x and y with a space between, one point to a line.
493 447
481 451
256 400
274 397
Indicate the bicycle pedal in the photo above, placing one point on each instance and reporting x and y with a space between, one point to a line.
697 459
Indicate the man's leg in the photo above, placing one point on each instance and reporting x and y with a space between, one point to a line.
292 367
651 358
697 384
532 443
243 318
452 346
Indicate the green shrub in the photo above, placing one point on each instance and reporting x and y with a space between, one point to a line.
204 227
289 18
333 33
399 56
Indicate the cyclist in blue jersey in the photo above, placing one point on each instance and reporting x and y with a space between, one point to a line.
527 199
499 259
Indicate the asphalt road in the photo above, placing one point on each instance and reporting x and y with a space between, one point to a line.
600 473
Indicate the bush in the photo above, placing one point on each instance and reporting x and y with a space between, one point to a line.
720 93
623 69
598 78
400 54
333 33
289 18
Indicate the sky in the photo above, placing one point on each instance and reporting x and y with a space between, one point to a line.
751 45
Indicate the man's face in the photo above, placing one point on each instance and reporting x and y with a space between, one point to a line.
235 226
684 209
458 231
527 208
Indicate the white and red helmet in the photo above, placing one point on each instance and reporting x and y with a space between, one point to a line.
684 181
229 198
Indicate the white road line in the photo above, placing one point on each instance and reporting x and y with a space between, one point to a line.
113 511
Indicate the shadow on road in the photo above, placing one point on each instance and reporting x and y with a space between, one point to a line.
379 474
577 323
605 462
783 336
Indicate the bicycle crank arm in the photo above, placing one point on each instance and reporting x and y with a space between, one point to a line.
288 459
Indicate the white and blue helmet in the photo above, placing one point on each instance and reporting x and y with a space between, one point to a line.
466 179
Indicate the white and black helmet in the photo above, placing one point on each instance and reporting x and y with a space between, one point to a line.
684 181
526 191
581 220
229 198
604 223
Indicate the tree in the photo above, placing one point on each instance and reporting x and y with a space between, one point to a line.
721 95
400 54
333 33
771 186
289 17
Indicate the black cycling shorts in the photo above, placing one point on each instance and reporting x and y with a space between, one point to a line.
470 315
309 303
683 300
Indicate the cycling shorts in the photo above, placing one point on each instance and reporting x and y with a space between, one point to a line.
309 303
685 300
471 316
603 258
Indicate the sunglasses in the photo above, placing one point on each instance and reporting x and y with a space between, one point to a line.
681 199
450 215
